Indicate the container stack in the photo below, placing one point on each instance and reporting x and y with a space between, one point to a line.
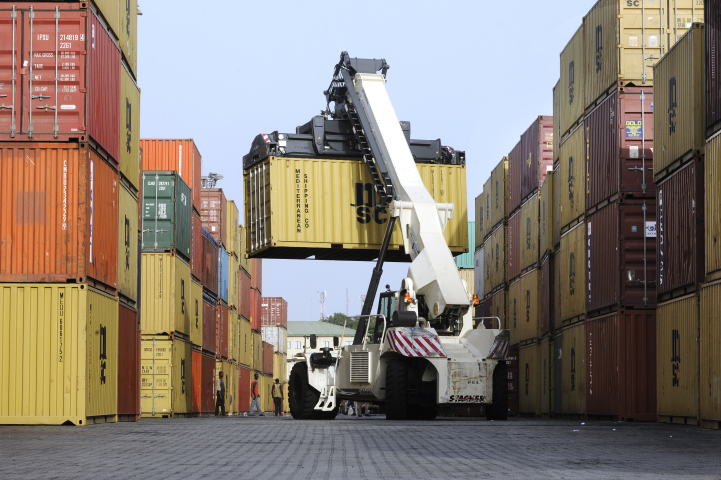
274 319
69 163
245 357
466 263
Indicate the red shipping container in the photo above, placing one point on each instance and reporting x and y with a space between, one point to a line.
514 246
128 365
221 329
621 365
179 155
712 33
196 248
58 215
616 237
536 154
255 308
83 104
210 319
244 376
274 311
267 358
196 388
681 236
256 276
244 295
213 207
207 389
515 168
210 264
547 296
618 137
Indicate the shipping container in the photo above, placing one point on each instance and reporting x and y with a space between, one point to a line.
547 294
530 233
231 225
213 212
340 194
710 355
211 261
233 281
495 306
166 374
196 314
529 398
232 335
256 276
513 181
467 275
267 358
515 240
129 131
679 125
513 380
221 329
196 248
244 376
556 222
712 206
207 388
680 241
677 366
546 213
571 179
196 397
82 103
128 40
256 300
497 199
479 273
537 154
128 246
257 351
514 310
530 321
243 257
280 368
558 372
210 321
166 213
557 293
223 272
246 343
274 311
109 11
60 354
556 120
619 147
181 156
573 383
572 292
495 265
618 238
546 375
244 299
166 307
128 365
230 378
712 55
56 200
465 260
571 97
480 206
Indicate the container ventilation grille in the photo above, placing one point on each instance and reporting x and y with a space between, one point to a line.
359 367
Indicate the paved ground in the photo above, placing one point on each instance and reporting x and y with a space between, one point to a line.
360 448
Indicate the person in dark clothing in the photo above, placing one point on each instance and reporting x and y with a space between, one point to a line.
220 396
277 394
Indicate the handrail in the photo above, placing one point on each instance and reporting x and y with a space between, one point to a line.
490 318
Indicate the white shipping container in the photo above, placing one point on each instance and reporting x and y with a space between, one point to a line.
275 335
479 273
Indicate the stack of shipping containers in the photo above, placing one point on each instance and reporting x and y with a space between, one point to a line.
245 360
274 325
68 222
466 262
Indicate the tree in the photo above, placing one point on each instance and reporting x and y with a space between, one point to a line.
340 319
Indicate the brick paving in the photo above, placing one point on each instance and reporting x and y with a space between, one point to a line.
360 448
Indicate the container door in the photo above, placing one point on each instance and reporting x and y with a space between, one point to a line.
155 395
557 373
10 53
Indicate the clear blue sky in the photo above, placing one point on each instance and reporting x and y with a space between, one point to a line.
474 73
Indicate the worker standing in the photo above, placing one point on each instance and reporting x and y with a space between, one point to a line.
277 394
255 395
220 395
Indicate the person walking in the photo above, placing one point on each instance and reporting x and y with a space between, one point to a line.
220 395
255 395
351 405
277 394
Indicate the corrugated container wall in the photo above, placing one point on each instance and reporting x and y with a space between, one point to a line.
530 319
210 323
213 213
276 336
467 275
619 146
547 293
244 295
211 258
129 129
233 280
181 156
546 217
166 294
207 389
480 209
222 328
529 363
497 201
679 122
573 368
274 311
530 212
128 246
255 310
246 343
514 311
128 40
546 375
712 205
571 181
339 194
479 274
231 225
167 213
572 84
256 276
196 389
677 366
243 257
515 241
556 222
128 364
465 260
244 376
109 10
556 120
495 265
498 307
56 219
257 351
267 358
166 376
573 274
223 272
712 55
513 182
196 247
196 313
537 154
60 354
710 353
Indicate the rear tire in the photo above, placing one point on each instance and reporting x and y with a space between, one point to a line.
327 415
302 398
498 410
396 378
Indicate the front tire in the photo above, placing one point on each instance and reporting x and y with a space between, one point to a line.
498 410
302 398
396 378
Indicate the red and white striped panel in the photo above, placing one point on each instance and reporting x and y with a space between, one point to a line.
266 138
499 350
415 342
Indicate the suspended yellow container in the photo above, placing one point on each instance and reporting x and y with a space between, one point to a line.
58 354
165 376
128 246
196 314
166 289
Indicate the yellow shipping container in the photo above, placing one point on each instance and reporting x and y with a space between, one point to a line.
468 274
557 288
59 360
128 40
231 228
546 375
230 378
514 306
571 180
265 383
498 196
573 366
556 222
233 280
677 333
110 11
679 130
571 97
572 292
712 204
530 302
246 343
710 354
529 372
243 258
257 351
326 207
499 304
495 264
166 294
530 232
128 246
480 205
129 129
196 314
280 367
546 216
165 376
556 120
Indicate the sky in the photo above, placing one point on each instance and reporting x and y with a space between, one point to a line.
474 73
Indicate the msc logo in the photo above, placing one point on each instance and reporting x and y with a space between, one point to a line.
528 306
127 243
572 274
128 124
571 179
127 16
103 353
675 356
182 376
672 104
573 369
543 218
528 233
526 379
599 48
496 194
182 295
197 315
571 81
497 255
366 205
514 313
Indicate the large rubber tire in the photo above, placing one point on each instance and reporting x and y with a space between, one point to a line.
396 379
327 415
302 398
498 410
418 412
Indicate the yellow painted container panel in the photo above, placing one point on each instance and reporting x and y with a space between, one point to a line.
573 366
245 263
571 179
530 305
245 343
265 383
529 373
233 335
710 352
165 376
110 11
546 375
468 274
129 129
530 235
230 378
546 216
322 209
166 289
128 246
556 119
712 204
677 327
571 98
128 41
231 227
556 222
573 273
233 279
257 351
678 121
498 195
280 367
480 206
499 306
495 249
514 310
58 354
558 293
196 313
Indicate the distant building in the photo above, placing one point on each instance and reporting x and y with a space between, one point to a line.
299 337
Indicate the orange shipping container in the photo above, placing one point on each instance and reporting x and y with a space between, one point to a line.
256 276
58 205
213 213
181 156
244 295
196 388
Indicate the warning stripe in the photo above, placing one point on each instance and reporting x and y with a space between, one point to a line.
266 138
